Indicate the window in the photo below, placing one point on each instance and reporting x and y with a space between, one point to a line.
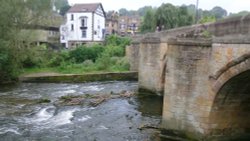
72 27
84 34
72 17
84 22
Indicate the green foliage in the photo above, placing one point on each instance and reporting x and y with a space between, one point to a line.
206 34
114 51
184 18
207 19
80 54
212 15
122 64
218 12
117 41
167 16
142 11
7 65
241 13
148 24
124 12
58 58
13 53
93 58
64 9
34 56
171 16
62 5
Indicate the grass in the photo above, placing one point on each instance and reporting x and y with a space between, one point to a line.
72 69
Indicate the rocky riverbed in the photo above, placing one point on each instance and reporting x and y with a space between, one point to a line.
100 111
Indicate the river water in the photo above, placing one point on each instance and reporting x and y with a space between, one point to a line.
117 119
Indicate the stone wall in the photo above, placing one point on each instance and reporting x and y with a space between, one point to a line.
186 103
150 72
200 77
230 112
229 78
132 54
152 55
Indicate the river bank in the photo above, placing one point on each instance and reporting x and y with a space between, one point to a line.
78 78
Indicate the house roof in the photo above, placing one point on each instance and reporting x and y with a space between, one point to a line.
87 7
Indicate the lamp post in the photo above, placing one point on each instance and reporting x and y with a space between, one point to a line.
197 12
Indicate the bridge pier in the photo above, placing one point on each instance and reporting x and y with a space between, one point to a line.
186 100
152 55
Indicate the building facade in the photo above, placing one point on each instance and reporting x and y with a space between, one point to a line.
129 25
112 23
85 23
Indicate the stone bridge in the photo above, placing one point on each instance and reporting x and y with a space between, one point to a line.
203 72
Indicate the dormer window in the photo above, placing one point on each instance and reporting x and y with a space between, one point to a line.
72 17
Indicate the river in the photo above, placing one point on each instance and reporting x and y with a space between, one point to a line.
119 119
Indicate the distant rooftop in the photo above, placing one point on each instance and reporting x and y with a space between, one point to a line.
88 7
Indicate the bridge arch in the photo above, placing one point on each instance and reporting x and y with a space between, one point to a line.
230 112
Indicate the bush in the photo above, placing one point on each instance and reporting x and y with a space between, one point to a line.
114 51
88 63
58 58
123 64
36 56
83 53
114 40
84 58
8 66
103 62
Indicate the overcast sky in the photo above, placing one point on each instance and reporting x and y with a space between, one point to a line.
230 5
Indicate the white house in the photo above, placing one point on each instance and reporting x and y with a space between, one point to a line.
85 23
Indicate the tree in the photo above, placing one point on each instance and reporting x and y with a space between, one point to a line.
241 13
218 12
62 5
16 15
148 24
166 15
183 17
123 12
142 11
64 9
169 16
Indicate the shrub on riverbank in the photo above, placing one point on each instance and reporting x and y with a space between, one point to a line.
91 58
7 65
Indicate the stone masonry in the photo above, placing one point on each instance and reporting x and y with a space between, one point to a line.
203 71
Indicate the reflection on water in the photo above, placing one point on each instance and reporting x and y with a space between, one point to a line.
115 120
150 105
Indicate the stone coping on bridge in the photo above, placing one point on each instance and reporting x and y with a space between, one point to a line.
233 39
152 40
80 78
204 42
